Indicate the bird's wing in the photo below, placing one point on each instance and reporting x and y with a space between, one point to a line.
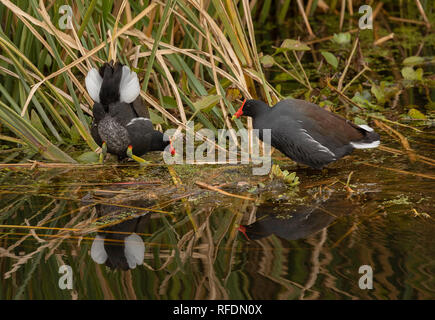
325 127
95 134
93 83
140 125
140 108
295 142
129 88
122 112
99 113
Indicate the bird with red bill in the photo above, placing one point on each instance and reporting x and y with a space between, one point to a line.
171 148
122 124
239 112
307 133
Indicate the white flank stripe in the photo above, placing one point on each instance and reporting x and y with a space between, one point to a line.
366 128
321 147
137 119
362 145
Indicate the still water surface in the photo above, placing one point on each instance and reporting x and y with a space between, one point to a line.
132 233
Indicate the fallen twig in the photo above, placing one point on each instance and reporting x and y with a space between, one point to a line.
420 158
340 81
209 187
403 140
383 39
401 171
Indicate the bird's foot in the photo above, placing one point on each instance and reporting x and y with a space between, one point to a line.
140 160
103 153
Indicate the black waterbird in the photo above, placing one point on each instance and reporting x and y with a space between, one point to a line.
307 133
121 122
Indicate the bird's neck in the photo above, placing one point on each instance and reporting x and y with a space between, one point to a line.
257 107
157 143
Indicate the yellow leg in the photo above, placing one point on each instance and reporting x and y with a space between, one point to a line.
103 152
136 158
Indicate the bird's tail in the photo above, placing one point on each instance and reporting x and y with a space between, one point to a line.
371 138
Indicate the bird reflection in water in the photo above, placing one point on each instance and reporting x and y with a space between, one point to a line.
292 222
119 246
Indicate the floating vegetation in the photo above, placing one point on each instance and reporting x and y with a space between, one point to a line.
196 60
289 178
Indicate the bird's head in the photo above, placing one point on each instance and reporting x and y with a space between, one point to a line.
249 108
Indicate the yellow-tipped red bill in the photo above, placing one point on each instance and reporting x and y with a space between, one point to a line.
239 112
171 148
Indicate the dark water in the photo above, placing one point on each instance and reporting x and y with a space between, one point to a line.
304 243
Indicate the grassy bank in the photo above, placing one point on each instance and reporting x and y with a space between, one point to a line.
195 60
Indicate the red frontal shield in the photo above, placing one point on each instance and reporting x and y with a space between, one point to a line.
171 148
240 111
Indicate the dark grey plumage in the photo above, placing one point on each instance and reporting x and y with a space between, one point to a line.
307 133
294 222
120 124
120 128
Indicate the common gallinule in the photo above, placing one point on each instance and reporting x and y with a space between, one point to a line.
121 122
119 246
112 83
112 131
118 251
293 222
307 133
121 223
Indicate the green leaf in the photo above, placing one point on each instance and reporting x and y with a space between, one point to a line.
207 103
88 15
253 189
409 73
363 102
88 157
415 114
169 102
155 118
37 123
281 77
359 121
24 130
48 61
413 61
295 45
265 11
289 178
341 38
267 61
330 58
107 8
292 176
233 32
75 135
419 74
378 92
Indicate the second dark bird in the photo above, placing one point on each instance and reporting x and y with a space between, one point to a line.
307 133
121 120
